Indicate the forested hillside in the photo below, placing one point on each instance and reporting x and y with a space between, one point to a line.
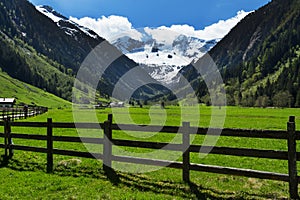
34 49
48 54
259 58
19 18
21 61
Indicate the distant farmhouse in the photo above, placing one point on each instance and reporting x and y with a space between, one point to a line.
117 104
7 102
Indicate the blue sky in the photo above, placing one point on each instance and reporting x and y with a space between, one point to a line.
155 13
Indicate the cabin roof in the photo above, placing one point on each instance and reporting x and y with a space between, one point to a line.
7 100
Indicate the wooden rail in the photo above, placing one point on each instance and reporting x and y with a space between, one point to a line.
21 112
291 136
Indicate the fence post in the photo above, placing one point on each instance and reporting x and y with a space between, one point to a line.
6 137
12 114
292 158
107 148
9 139
21 113
186 152
49 146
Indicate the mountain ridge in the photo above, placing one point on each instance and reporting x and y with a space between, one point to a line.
61 45
161 59
161 50
264 45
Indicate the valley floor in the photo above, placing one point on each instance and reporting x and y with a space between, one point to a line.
25 177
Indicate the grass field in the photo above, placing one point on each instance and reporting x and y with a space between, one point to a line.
24 176
28 94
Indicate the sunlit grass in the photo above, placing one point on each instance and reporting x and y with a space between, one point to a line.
164 183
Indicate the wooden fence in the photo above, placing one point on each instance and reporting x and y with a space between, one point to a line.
21 112
291 135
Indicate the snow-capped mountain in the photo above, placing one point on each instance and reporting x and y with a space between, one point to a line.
159 58
163 59
162 53
71 28
75 44
182 51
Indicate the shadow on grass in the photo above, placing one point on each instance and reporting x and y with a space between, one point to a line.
112 175
139 182
4 160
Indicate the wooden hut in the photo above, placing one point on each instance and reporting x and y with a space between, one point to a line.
7 102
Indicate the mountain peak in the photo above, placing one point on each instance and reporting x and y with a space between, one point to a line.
71 28
182 50
163 59
51 13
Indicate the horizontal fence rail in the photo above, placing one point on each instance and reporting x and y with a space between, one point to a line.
21 112
291 136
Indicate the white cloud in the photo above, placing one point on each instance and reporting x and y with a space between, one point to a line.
162 34
217 30
221 28
110 28
113 27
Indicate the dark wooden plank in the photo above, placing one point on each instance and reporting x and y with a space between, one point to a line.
2 146
298 156
170 129
240 172
297 135
107 145
79 125
58 152
9 139
78 139
148 145
145 128
292 158
27 148
186 152
145 161
267 134
29 136
63 125
271 154
58 138
2 135
49 146
6 137
30 124
78 154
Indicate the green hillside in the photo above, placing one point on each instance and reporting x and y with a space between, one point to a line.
259 58
22 62
25 93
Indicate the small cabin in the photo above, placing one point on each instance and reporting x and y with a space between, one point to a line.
7 102
117 104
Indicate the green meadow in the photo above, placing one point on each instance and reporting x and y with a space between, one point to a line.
28 94
25 177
